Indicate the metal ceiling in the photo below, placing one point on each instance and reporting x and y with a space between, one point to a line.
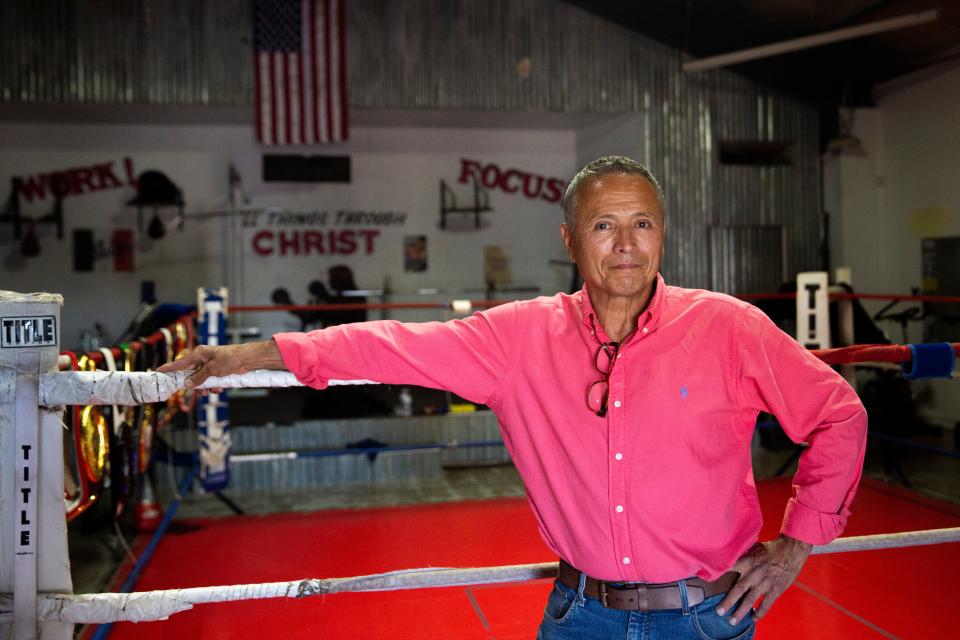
843 72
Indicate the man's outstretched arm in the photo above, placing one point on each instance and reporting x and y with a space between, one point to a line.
226 360
469 357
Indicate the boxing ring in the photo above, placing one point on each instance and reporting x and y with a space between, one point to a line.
35 590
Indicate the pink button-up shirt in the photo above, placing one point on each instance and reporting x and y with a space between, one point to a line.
662 487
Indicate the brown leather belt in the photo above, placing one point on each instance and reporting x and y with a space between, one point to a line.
646 597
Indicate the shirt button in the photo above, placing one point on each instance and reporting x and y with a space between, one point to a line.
646 330
626 560
619 355
616 404
619 456
619 508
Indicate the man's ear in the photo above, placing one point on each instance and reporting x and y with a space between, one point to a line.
567 236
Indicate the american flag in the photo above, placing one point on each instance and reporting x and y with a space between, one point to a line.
301 71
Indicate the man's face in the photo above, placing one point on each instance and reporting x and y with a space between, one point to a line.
617 239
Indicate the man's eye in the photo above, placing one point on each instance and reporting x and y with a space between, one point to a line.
602 226
643 224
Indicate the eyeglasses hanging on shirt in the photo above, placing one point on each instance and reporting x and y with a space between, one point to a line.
598 391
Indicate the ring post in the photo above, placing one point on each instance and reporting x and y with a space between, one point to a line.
212 409
33 530
813 310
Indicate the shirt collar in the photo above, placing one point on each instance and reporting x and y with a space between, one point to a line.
650 317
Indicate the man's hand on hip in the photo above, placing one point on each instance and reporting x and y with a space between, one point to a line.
765 571
226 360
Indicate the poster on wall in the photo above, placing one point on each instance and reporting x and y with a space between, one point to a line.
121 245
415 253
496 266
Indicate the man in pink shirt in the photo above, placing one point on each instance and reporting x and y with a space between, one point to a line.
628 409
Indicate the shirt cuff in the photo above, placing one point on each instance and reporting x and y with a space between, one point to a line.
296 350
809 525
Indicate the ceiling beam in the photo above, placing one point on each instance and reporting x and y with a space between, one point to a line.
807 42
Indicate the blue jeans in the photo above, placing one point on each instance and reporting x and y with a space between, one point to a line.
572 615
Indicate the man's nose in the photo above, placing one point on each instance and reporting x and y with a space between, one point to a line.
625 240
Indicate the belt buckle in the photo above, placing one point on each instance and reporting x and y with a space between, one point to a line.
603 593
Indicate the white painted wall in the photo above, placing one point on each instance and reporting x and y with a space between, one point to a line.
394 169
905 189
854 197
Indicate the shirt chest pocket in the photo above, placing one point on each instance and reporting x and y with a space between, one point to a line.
684 404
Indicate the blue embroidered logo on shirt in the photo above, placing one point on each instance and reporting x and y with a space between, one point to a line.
683 392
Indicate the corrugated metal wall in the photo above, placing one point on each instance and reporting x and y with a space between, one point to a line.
455 55
162 52
746 259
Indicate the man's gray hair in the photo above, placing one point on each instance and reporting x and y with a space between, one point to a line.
615 165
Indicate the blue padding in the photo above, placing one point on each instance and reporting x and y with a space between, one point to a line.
935 360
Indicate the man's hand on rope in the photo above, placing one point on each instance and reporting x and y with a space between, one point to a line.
222 361
765 571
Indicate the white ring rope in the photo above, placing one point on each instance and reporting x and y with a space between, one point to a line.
889 541
137 387
159 605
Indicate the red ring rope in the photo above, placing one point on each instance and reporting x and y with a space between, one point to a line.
870 353
843 295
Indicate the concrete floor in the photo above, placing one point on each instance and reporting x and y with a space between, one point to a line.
96 553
